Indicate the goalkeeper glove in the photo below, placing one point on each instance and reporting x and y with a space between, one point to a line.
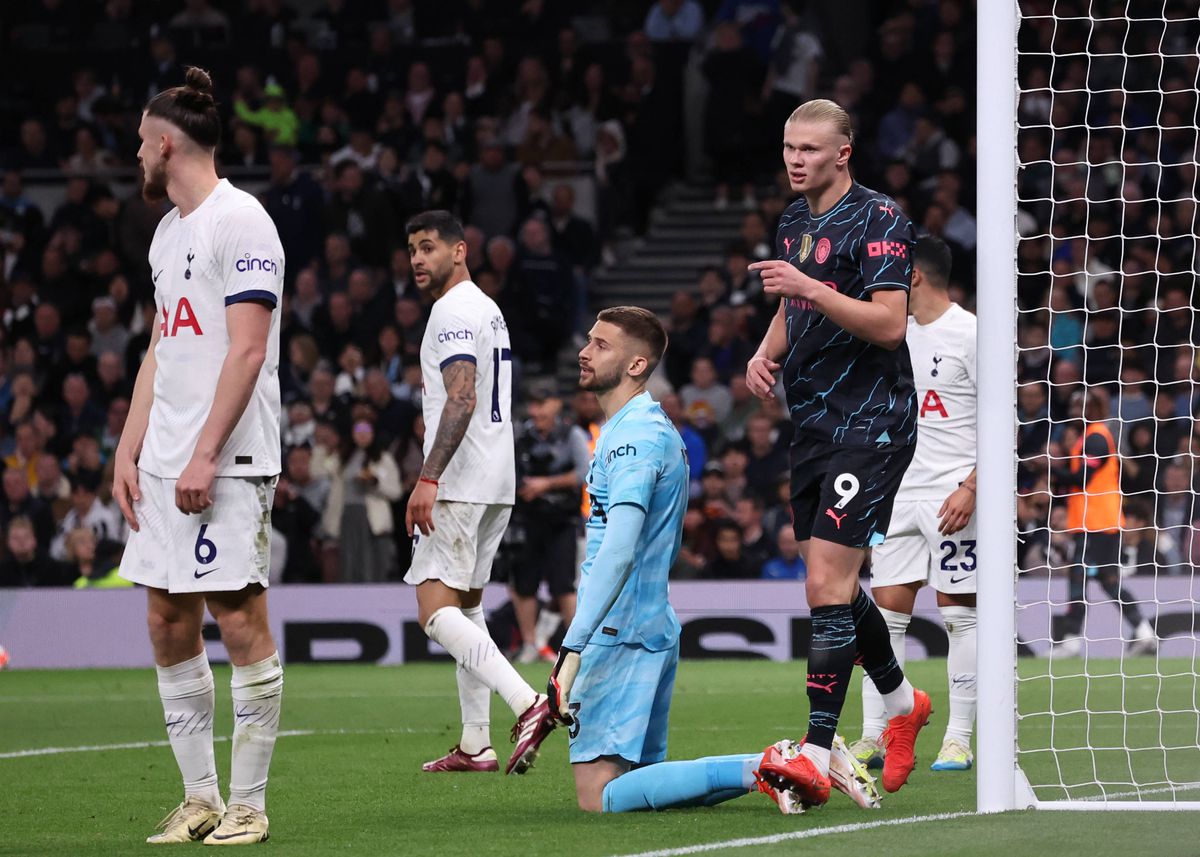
558 688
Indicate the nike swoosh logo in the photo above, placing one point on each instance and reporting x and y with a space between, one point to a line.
959 579
156 276
196 574
225 836
197 832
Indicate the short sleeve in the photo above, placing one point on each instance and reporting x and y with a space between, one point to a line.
251 257
454 336
970 351
886 260
632 467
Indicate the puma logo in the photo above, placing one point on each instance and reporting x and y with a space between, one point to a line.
837 519
889 209
787 245
828 688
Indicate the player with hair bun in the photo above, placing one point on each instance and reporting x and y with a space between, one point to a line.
198 460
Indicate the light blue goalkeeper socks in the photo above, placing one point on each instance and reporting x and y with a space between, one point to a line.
669 785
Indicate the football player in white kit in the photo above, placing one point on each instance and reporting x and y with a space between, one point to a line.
460 507
931 538
197 462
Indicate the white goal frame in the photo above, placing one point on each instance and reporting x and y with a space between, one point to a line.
1000 783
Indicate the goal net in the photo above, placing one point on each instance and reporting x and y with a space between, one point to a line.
1106 436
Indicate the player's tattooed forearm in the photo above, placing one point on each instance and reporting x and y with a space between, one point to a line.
459 378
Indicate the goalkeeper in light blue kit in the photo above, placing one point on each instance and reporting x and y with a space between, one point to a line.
615 673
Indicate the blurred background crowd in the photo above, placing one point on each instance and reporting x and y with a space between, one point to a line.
557 131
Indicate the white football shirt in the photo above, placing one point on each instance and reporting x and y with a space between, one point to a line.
465 324
943 361
224 252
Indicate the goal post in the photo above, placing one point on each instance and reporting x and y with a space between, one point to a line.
995 509
1087 260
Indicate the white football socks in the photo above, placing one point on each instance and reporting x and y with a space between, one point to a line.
257 698
960 667
875 711
474 698
474 651
819 756
186 690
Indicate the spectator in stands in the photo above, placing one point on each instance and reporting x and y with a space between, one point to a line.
674 21
107 332
358 516
794 67
787 564
545 292
757 545
28 446
571 235
1177 515
362 214
705 393
90 569
87 510
767 458
78 414
26 564
729 562
394 417
295 203
495 191
430 184
734 77
114 424
278 122
296 519
697 449
52 487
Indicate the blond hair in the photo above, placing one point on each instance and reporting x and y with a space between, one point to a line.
824 110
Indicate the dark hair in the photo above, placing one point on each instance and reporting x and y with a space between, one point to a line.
88 480
446 225
642 325
190 108
932 256
722 525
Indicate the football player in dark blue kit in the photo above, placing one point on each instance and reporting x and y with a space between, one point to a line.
842 273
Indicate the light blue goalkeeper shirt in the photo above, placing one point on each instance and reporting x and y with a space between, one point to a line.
639 461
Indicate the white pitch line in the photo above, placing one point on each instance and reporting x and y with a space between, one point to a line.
1180 787
798 834
142 745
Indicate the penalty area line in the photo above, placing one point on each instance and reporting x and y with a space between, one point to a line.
797 835
143 745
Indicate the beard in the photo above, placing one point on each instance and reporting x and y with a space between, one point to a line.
154 182
597 382
438 279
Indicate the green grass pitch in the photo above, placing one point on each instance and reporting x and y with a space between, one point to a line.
350 782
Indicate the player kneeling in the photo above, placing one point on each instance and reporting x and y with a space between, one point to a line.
615 673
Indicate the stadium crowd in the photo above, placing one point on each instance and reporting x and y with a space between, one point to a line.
353 116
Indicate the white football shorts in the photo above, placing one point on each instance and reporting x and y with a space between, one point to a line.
224 549
915 551
460 550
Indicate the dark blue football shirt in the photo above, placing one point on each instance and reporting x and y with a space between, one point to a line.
842 389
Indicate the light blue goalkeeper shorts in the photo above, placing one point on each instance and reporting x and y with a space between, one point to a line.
621 699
